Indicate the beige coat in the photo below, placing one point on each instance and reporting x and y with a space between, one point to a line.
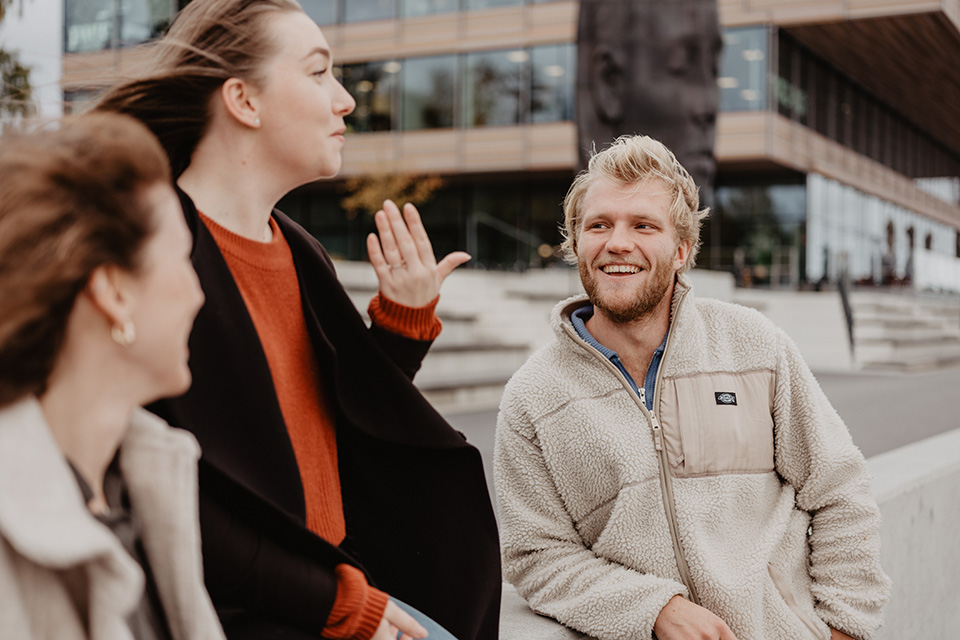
65 576
608 510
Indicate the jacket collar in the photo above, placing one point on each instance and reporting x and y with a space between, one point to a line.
42 513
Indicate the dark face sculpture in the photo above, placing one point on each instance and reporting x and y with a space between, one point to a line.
650 67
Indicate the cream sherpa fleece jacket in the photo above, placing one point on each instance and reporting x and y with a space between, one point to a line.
742 489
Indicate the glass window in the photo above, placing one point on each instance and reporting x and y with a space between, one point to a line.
496 229
486 4
753 230
743 69
78 100
553 80
428 86
411 8
790 93
372 85
442 217
144 20
322 11
360 10
91 25
493 88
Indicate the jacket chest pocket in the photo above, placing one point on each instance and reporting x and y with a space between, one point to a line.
718 422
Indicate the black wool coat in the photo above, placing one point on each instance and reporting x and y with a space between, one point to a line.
418 513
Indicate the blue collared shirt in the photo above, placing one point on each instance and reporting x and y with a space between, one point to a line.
579 319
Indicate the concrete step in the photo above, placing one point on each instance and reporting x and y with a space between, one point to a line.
908 352
479 363
895 329
905 331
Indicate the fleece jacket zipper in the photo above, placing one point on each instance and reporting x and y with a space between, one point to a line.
666 482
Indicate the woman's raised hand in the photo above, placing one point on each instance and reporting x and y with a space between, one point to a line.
403 257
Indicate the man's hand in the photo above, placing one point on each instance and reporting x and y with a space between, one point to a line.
403 258
396 621
839 635
680 619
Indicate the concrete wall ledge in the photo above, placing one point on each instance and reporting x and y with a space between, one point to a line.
918 489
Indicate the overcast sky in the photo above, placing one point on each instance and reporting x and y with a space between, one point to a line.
34 28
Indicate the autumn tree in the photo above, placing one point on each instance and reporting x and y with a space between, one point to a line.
367 192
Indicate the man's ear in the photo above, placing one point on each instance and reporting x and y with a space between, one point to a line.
108 288
606 75
683 252
240 101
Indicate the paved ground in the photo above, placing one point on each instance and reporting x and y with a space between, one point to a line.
882 410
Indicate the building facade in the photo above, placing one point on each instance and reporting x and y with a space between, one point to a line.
837 144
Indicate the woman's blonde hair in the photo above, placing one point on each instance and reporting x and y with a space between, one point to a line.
210 42
631 160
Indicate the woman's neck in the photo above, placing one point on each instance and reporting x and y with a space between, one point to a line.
227 182
88 421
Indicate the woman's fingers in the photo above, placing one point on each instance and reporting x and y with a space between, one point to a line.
406 247
450 262
375 253
403 621
388 242
402 257
418 233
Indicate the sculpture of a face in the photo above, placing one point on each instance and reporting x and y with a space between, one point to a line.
650 67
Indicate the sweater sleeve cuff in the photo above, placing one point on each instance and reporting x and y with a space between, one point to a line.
416 323
358 608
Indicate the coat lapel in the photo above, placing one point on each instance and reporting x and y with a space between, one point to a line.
254 449
44 519
159 465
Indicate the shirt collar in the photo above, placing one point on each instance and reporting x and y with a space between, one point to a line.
579 320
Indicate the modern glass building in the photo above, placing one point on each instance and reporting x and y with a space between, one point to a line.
837 143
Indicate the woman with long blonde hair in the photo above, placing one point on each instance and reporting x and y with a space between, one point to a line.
332 494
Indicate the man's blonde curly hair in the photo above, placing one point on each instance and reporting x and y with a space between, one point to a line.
631 160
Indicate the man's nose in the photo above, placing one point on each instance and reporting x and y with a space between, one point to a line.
619 240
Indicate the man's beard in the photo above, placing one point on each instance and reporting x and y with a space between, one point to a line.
650 295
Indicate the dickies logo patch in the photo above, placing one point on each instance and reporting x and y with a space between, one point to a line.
726 397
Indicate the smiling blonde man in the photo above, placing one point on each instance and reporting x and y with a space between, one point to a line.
668 464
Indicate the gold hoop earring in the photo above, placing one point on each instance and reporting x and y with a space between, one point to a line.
125 334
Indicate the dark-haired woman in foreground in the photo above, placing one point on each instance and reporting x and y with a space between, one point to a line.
328 484
97 297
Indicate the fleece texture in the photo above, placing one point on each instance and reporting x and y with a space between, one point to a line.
779 531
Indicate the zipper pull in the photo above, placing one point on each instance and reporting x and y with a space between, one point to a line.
657 436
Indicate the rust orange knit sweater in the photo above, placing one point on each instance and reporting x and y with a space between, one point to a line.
267 279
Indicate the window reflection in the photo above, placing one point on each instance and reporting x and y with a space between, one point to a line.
411 8
756 231
94 25
553 77
493 83
428 88
743 66
486 4
372 85
360 10
322 11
